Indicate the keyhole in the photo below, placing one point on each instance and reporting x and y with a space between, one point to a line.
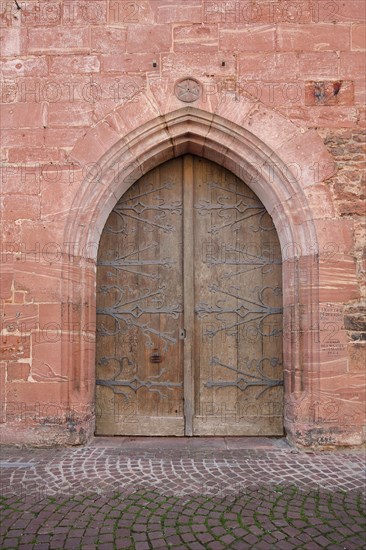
155 357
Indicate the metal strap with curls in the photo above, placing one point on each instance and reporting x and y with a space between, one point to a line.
126 262
135 383
247 310
245 378
126 313
134 210
246 207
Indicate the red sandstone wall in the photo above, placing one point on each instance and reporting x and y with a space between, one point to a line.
67 64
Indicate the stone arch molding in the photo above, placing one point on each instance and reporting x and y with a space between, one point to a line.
284 164
280 161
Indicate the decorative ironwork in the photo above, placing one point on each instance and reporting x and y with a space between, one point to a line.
188 90
247 310
243 207
246 378
126 312
120 360
134 211
251 261
126 262
154 385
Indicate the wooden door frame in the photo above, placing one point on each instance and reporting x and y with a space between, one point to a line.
281 179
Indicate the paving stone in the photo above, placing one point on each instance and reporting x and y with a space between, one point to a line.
159 543
313 546
218 531
216 545
154 535
251 539
188 537
205 538
139 537
10 543
122 543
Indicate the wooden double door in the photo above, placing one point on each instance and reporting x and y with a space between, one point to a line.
189 308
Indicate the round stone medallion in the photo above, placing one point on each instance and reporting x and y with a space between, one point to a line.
188 90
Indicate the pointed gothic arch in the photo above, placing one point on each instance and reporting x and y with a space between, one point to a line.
283 164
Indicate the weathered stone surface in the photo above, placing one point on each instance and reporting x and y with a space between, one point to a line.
358 37
357 353
313 37
18 371
348 184
353 322
333 92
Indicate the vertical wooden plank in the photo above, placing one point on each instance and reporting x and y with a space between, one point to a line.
204 252
170 247
188 292
249 282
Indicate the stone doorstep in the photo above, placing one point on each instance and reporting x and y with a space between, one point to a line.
191 443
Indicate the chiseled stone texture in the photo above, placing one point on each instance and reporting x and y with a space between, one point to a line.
88 106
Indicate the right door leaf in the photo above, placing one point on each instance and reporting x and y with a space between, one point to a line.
238 309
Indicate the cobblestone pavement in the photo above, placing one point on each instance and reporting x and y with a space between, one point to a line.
182 493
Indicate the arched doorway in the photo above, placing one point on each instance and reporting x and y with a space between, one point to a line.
279 168
189 308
